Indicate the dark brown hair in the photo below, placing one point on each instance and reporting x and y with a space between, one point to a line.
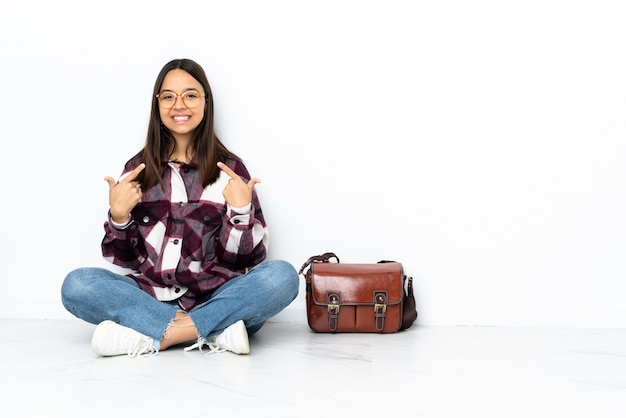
205 146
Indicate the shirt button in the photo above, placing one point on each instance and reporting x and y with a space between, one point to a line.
145 219
180 204
236 221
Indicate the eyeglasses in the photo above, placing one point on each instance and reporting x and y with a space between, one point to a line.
167 99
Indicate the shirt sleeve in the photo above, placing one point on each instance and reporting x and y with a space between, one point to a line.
120 244
244 236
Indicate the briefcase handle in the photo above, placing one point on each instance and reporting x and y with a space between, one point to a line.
324 258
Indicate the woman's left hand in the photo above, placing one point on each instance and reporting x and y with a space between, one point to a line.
237 192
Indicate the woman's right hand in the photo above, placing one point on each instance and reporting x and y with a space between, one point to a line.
125 195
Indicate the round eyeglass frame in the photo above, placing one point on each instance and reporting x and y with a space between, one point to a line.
182 97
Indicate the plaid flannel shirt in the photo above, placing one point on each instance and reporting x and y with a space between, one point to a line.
183 242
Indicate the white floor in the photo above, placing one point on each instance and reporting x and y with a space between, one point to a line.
49 370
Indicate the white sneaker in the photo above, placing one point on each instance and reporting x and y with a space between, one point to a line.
234 339
111 339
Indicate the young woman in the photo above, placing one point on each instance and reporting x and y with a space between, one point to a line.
186 221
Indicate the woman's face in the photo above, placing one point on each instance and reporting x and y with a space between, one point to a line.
181 103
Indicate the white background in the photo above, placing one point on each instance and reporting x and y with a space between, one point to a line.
480 143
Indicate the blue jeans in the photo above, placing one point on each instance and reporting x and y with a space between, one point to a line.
95 294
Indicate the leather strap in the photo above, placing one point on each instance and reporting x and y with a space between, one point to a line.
333 300
380 308
324 258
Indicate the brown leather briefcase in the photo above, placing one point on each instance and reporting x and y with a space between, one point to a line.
341 297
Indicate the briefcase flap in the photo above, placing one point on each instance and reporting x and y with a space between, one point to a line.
357 284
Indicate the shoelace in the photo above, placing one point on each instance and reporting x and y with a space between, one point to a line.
142 349
211 343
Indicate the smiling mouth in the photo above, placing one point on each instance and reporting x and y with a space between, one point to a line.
181 118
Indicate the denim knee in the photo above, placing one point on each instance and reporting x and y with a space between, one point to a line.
73 291
285 276
72 285
80 284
